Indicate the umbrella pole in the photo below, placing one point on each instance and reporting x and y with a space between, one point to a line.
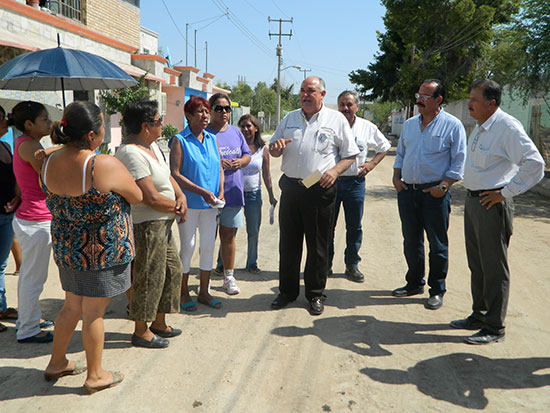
63 92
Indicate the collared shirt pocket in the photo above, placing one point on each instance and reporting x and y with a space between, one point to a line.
324 140
434 143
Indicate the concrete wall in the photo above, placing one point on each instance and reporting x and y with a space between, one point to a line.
117 19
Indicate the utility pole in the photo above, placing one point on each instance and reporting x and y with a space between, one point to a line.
186 42
206 46
305 71
279 53
195 48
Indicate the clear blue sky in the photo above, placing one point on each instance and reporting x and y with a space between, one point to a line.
330 37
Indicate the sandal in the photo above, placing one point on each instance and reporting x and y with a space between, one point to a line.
79 368
9 314
117 379
189 306
212 303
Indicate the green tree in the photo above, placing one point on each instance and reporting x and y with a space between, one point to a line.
117 100
381 112
265 99
532 28
430 39
242 93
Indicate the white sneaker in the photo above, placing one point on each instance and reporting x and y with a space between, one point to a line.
230 285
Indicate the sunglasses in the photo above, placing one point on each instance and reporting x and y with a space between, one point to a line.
157 122
220 108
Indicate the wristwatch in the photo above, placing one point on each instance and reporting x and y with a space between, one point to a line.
443 187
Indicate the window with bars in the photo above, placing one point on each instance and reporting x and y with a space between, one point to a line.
68 8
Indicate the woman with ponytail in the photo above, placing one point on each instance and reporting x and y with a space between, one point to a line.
92 237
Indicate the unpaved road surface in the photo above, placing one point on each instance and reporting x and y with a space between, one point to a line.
368 352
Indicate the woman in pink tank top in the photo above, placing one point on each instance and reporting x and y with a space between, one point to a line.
32 220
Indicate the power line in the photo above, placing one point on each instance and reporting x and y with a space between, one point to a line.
241 27
174 21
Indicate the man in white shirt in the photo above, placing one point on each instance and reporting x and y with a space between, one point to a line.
350 186
501 162
314 141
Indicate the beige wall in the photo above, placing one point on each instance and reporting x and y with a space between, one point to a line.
117 19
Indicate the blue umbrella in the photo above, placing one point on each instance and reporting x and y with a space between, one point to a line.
59 69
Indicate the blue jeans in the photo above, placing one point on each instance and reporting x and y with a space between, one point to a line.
421 212
351 193
6 238
253 216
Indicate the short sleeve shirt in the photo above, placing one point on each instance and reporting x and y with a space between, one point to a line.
141 165
232 145
367 137
317 144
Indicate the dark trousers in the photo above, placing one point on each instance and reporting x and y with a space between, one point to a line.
302 212
487 234
350 192
419 212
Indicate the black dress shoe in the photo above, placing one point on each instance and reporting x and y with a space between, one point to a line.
46 338
317 305
280 302
469 323
484 337
434 302
155 342
406 292
173 332
355 275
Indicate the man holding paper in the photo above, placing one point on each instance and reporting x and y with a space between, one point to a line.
317 146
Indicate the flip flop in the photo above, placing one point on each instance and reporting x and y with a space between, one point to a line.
9 314
3 328
212 303
189 306
117 379
79 368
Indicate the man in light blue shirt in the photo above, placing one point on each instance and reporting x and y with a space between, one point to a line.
430 158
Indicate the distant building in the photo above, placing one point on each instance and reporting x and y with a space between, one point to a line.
95 26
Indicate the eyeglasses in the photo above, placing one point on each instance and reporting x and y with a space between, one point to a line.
157 122
422 97
220 108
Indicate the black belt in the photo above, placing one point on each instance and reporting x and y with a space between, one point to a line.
347 178
422 186
475 194
297 181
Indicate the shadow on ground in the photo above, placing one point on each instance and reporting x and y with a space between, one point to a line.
461 378
366 336
20 383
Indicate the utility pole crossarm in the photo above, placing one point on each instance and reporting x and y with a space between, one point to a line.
279 54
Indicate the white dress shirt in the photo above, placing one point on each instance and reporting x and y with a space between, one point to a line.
500 154
367 136
317 144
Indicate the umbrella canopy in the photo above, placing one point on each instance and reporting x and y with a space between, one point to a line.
62 69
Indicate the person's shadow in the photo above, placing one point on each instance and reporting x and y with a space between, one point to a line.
461 378
22 383
365 335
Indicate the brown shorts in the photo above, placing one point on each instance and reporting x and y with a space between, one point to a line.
156 283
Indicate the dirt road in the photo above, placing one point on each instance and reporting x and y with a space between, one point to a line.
368 352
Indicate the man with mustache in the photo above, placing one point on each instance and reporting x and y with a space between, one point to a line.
502 162
430 158
317 145
350 186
